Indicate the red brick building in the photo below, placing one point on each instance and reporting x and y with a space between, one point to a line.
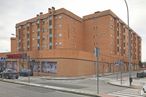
60 43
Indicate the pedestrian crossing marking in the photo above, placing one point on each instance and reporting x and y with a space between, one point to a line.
126 93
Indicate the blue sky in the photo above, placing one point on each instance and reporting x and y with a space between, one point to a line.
15 11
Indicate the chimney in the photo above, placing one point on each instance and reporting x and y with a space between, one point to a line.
41 13
53 9
97 12
49 10
37 15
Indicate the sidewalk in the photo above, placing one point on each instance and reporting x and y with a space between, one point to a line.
136 84
74 78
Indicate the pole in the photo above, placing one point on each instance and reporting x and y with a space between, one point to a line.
28 62
121 73
97 68
97 74
129 42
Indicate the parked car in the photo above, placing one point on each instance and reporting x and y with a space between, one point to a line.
141 74
9 74
143 91
25 72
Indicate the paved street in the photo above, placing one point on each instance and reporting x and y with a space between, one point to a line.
126 93
85 84
88 84
15 90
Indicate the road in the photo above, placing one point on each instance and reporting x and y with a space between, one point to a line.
87 84
15 90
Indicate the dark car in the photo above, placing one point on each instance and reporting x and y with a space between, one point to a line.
141 74
9 74
25 72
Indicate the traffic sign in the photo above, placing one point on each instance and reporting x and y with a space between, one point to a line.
96 51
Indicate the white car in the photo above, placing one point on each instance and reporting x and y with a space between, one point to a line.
143 91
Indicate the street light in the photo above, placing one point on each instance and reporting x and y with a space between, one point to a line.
129 43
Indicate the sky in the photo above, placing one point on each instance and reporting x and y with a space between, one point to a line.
15 11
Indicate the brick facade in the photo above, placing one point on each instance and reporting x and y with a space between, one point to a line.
67 41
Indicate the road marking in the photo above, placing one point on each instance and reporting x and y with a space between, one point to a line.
126 93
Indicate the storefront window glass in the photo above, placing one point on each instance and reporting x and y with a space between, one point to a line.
49 67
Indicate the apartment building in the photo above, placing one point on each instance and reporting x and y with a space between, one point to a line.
60 43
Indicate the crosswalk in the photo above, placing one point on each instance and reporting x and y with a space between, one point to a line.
126 93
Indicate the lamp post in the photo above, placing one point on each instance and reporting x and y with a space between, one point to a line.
129 43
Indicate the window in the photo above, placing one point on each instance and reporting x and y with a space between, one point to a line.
50 17
118 49
28 35
38 43
124 44
117 41
50 30
50 26
60 17
27 28
43 22
48 67
117 33
50 39
60 35
28 45
50 44
38 37
50 47
60 43
56 43
50 33
19 36
38 29
124 37
50 22
36 67
38 22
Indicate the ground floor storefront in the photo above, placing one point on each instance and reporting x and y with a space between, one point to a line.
63 63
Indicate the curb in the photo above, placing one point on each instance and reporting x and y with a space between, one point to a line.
75 78
64 78
87 93
133 86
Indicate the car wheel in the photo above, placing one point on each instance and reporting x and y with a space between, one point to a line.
16 77
7 77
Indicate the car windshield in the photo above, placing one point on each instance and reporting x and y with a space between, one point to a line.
25 70
10 70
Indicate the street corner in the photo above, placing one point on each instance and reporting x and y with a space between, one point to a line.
119 83
135 84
